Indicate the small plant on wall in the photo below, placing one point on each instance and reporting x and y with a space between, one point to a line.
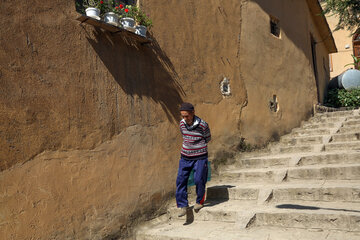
93 8
127 15
143 22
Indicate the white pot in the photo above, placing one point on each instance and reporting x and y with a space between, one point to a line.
111 18
128 23
93 12
141 30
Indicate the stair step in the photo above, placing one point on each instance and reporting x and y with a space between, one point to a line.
262 162
344 137
325 172
310 215
314 220
325 159
213 230
341 146
350 123
298 148
284 160
289 140
332 172
328 194
337 114
348 129
324 120
314 125
309 132
346 191
356 117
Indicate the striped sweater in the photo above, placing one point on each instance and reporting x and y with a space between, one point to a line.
195 139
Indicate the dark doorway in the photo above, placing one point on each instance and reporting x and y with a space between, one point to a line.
314 61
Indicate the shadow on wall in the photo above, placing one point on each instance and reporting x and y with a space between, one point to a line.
142 70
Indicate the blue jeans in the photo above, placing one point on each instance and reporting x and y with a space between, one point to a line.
200 178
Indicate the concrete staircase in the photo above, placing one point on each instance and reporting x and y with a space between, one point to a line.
307 187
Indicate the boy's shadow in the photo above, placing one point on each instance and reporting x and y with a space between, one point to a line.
189 216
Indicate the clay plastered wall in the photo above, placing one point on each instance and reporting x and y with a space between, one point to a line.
88 126
343 56
89 134
89 131
277 66
202 40
322 58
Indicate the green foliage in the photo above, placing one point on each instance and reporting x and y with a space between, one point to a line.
343 98
245 147
142 18
92 3
348 12
103 5
126 11
355 63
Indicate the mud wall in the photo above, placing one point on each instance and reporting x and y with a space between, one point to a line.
88 126
279 66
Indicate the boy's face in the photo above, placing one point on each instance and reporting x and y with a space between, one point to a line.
188 116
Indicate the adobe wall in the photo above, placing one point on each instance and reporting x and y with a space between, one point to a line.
89 122
88 126
278 66
343 56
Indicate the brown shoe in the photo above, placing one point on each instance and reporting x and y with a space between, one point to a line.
183 211
197 207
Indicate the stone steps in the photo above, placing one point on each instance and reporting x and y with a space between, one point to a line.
306 186
314 125
341 146
330 158
316 172
299 148
310 191
348 113
286 160
213 230
261 162
350 123
346 137
298 132
289 140
349 129
292 214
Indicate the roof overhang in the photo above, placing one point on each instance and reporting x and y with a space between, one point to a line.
322 25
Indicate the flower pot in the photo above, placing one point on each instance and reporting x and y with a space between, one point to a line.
93 12
141 30
111 18
128 23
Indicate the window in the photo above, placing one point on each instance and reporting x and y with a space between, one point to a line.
275 26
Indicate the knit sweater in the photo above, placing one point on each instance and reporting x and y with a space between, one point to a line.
195 139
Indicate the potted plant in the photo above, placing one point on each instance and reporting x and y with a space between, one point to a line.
356 62
143 23
127 15
110 15
93 8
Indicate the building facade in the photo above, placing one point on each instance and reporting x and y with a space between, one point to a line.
89 138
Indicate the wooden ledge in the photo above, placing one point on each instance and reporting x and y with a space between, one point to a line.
113 29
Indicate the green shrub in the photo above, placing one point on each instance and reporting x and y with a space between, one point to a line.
343 98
